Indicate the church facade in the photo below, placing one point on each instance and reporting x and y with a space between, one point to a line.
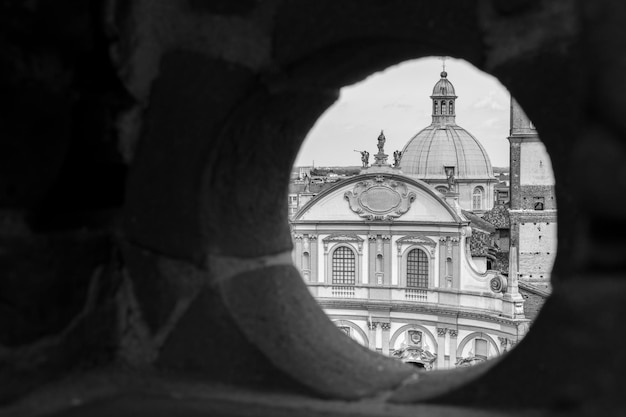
388 259
387 253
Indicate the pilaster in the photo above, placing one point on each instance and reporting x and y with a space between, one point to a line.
441 343
371 325
385 337
453 345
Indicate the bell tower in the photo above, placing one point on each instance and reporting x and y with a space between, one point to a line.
533 203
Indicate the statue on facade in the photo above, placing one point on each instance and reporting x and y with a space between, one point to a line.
381 142
307 184
365 157
451 180
396 158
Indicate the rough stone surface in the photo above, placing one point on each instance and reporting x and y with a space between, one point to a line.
44 283
190 100
250 165
275 310
208 344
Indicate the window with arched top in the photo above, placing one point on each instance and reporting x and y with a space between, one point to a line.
477 198
435 107
344 266
450 107
443 107
417 269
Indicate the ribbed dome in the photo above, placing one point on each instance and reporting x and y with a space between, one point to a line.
437 146
443 87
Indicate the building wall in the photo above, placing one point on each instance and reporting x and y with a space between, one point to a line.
535 164
449 338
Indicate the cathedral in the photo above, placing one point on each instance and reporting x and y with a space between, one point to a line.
392 257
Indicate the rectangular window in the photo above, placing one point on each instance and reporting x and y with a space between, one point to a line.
344 267
417 269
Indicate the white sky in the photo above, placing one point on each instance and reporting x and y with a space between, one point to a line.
397 100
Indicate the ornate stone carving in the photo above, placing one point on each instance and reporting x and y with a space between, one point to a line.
453 333
441 331
385 326
380 199
418 240
503 341
498 284
415 337
298 236
372 325
342 238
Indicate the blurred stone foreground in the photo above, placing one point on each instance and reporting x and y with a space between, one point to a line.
145 154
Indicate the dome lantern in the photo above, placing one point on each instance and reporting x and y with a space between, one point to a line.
443 98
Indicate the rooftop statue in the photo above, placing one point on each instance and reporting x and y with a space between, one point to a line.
365 156
397 155
381 142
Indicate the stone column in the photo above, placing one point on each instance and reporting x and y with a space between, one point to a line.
441 343
453 345
386 336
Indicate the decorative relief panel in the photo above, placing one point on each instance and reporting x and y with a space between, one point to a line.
343 238
380 199
419 240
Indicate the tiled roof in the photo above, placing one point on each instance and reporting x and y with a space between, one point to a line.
499 217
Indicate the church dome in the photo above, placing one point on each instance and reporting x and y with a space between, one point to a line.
436 147
445 144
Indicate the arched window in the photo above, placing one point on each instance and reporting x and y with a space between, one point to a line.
435 109
417 269
450 107
344 266
442 189
443 107
477 199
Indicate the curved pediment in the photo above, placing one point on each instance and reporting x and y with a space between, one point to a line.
343 237
416 240
376 197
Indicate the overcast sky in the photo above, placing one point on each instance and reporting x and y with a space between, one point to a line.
397 101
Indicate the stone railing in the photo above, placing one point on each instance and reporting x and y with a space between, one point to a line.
435 296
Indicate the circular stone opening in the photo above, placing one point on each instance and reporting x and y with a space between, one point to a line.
435 247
